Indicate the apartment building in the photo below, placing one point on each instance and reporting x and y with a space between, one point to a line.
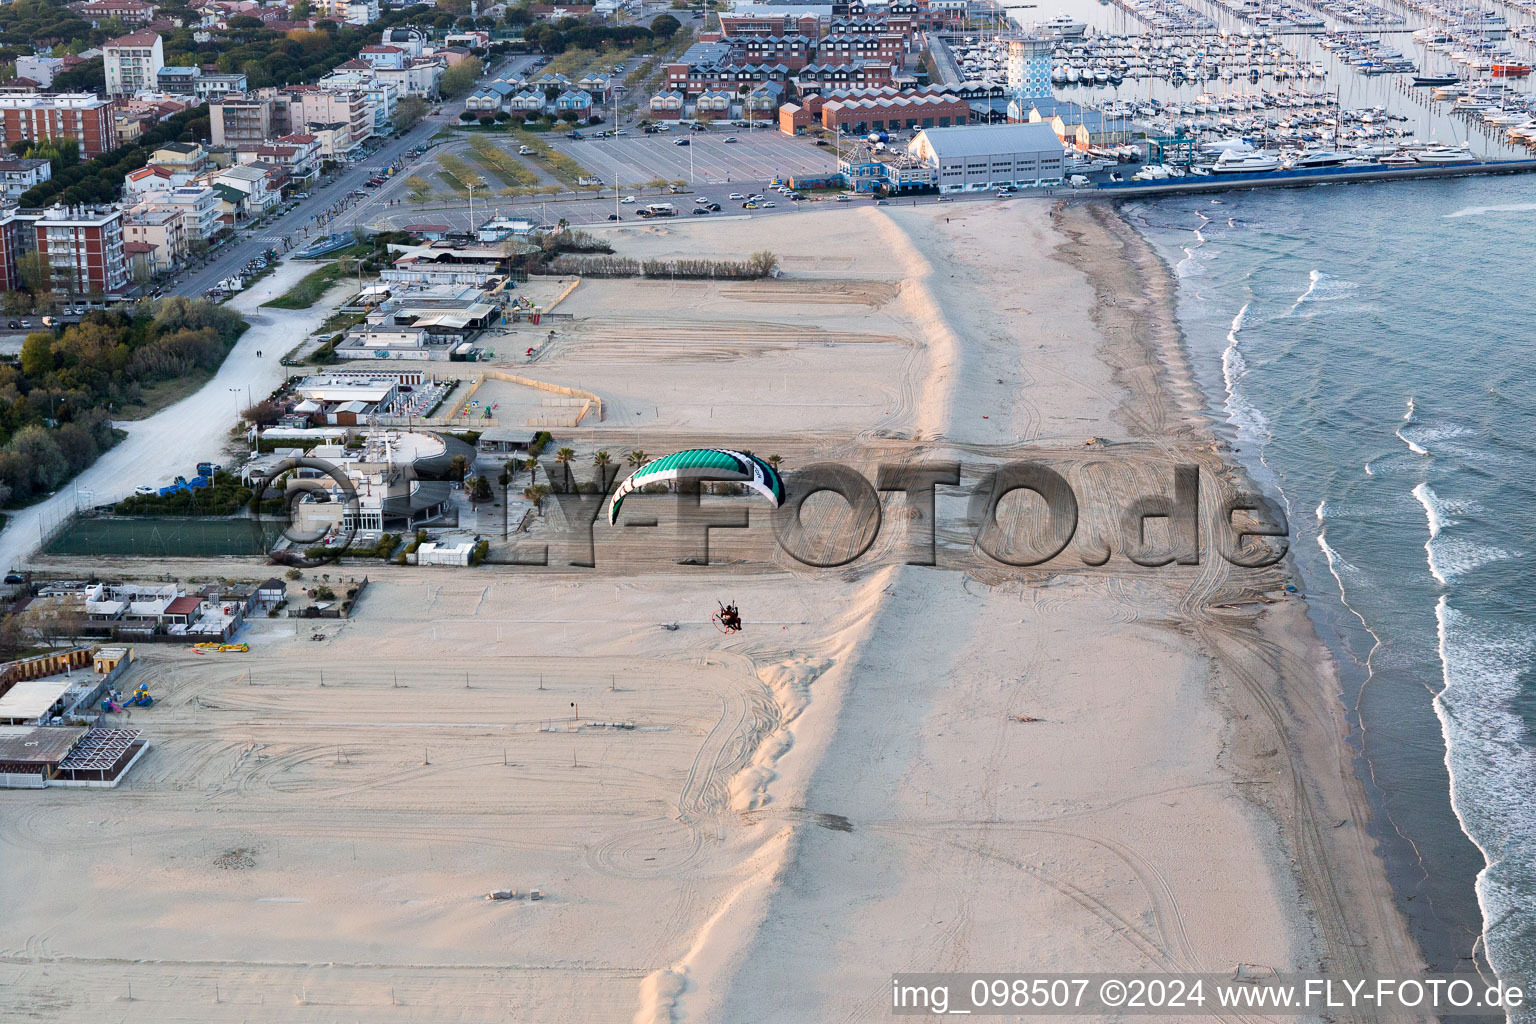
130 12
310 105
241 119
82 249
197 204
16 176
39 69
162 230
84 117
133 63
14 232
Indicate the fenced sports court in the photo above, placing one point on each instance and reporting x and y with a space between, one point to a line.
169 538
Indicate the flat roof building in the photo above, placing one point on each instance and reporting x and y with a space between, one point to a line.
975 158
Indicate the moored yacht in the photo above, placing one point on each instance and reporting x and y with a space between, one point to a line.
1065 26
1246 163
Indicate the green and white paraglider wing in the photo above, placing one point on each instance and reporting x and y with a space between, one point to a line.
702 464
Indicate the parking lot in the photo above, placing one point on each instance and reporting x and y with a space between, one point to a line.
757 156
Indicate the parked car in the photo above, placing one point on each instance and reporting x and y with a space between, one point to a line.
729 138
737 197
700 211
613 216
844 199
769 205
627 200
682 142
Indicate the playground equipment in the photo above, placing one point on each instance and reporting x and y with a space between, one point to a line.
113 702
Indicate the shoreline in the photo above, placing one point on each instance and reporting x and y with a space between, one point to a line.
1309 711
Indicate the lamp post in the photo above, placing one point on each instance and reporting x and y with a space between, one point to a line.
470 186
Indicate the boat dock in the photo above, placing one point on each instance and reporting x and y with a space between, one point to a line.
1302 178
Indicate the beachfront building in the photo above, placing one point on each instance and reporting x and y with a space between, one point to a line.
980 157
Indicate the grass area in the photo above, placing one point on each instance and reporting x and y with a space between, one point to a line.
164 393
507 168
455 166
421 188
309 289
560 165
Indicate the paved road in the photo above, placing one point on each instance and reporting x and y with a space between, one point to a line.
299 224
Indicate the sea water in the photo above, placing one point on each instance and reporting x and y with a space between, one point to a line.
1371 352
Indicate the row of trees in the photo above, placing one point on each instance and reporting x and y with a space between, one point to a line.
269 58
568 33
264 56
57 398
98 180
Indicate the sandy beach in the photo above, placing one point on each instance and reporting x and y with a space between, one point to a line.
759 827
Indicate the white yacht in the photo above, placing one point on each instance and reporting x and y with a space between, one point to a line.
1246 163
1445 154
1065 26
1319 158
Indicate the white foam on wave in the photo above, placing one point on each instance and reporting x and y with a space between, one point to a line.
1192 255
1338 567
1478 211
1323 287
1492 771
1413 445
1242 414
1368 470
1426 497
1450 557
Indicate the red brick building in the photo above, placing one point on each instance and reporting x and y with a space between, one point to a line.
83 250
84 117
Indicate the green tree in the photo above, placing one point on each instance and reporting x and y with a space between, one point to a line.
461 78
37 356
33 269
601 458
665 27
637 457
457 467
409 112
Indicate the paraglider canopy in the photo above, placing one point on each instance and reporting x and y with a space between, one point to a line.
702 464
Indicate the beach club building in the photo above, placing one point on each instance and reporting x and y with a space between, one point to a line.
979 157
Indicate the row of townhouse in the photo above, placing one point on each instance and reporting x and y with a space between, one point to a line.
530 103
761 101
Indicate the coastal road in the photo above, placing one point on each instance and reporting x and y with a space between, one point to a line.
299 223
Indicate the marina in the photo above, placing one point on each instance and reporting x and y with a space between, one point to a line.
1211 93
